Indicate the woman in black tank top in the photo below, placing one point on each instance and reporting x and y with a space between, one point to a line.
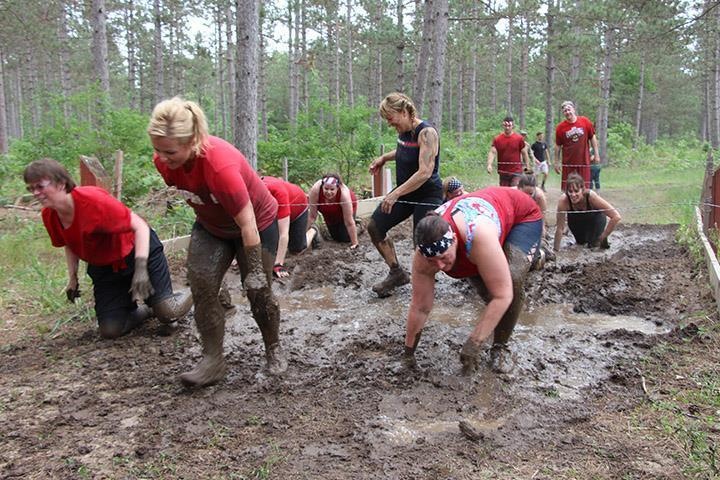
590 217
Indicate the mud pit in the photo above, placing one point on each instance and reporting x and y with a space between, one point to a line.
81 407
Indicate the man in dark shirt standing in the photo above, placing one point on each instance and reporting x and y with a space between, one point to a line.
540 152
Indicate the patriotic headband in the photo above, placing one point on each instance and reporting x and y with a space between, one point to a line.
454 184
331 182
438 247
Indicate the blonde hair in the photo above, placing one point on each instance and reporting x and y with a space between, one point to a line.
180 119
397 102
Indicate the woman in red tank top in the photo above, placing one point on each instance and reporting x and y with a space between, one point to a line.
338 205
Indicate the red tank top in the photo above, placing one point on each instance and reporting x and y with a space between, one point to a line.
331 208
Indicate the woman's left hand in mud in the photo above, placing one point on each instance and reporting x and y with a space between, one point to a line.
354 246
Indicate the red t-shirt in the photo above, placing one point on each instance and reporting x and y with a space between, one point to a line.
100 233
331 208
217 184
508 207
509 152
291 199
574 138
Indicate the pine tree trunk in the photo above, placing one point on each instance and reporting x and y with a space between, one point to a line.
460 109
423 61
64 58
350 84
550 77
262 87
248 23
99 45
472 82
715 138
442 15
230 73
220 72
3 108
509 59
605 82
292 67
524 65
302 74
400 49
641 95
158 51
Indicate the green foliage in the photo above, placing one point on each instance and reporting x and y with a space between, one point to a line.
343 143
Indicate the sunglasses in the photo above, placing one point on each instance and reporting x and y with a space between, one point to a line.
38 187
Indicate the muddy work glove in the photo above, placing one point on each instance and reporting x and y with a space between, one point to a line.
72 292
256 278
140 287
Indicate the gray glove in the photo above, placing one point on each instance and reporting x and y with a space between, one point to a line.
140 287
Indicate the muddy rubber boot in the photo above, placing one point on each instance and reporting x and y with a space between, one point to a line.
265 308
173 307
408 360
395 278
211 368
501 360
276 363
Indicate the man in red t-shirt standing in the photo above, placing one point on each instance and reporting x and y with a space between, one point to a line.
573 138
511 151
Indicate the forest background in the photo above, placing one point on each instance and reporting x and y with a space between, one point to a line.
299 81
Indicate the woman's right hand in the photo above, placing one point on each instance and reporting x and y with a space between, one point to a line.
72 290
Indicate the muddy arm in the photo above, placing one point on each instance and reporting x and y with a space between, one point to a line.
313 197
348 219
599 203
560 219
493 268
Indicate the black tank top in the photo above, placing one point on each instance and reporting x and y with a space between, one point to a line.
407 157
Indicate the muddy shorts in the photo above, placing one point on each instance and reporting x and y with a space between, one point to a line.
297 241
112 289
526 236
510 179
403 208
542 167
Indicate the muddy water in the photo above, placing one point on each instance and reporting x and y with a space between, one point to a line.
346 407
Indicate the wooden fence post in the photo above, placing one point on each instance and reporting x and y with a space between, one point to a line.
378 179
93 173
117 174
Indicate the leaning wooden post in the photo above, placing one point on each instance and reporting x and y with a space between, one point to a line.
706 196
117 174
93 173
285 168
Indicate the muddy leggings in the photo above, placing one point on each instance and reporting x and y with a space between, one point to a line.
209 258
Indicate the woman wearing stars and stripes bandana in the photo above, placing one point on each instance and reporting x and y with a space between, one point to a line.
490 236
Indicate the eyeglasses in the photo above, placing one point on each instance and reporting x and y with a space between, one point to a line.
38 187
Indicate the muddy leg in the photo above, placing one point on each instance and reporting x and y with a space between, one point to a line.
500 357
117 326
397 275
408 358
255 269
173 307
208 260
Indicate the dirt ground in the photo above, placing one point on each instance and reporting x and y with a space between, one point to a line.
77 406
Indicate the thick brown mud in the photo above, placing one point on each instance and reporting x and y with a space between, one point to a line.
77 406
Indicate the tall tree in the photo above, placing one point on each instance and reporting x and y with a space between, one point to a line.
400 48
422 64
3 108
158 65
442 15
100 45
64 56
248 29
349 55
